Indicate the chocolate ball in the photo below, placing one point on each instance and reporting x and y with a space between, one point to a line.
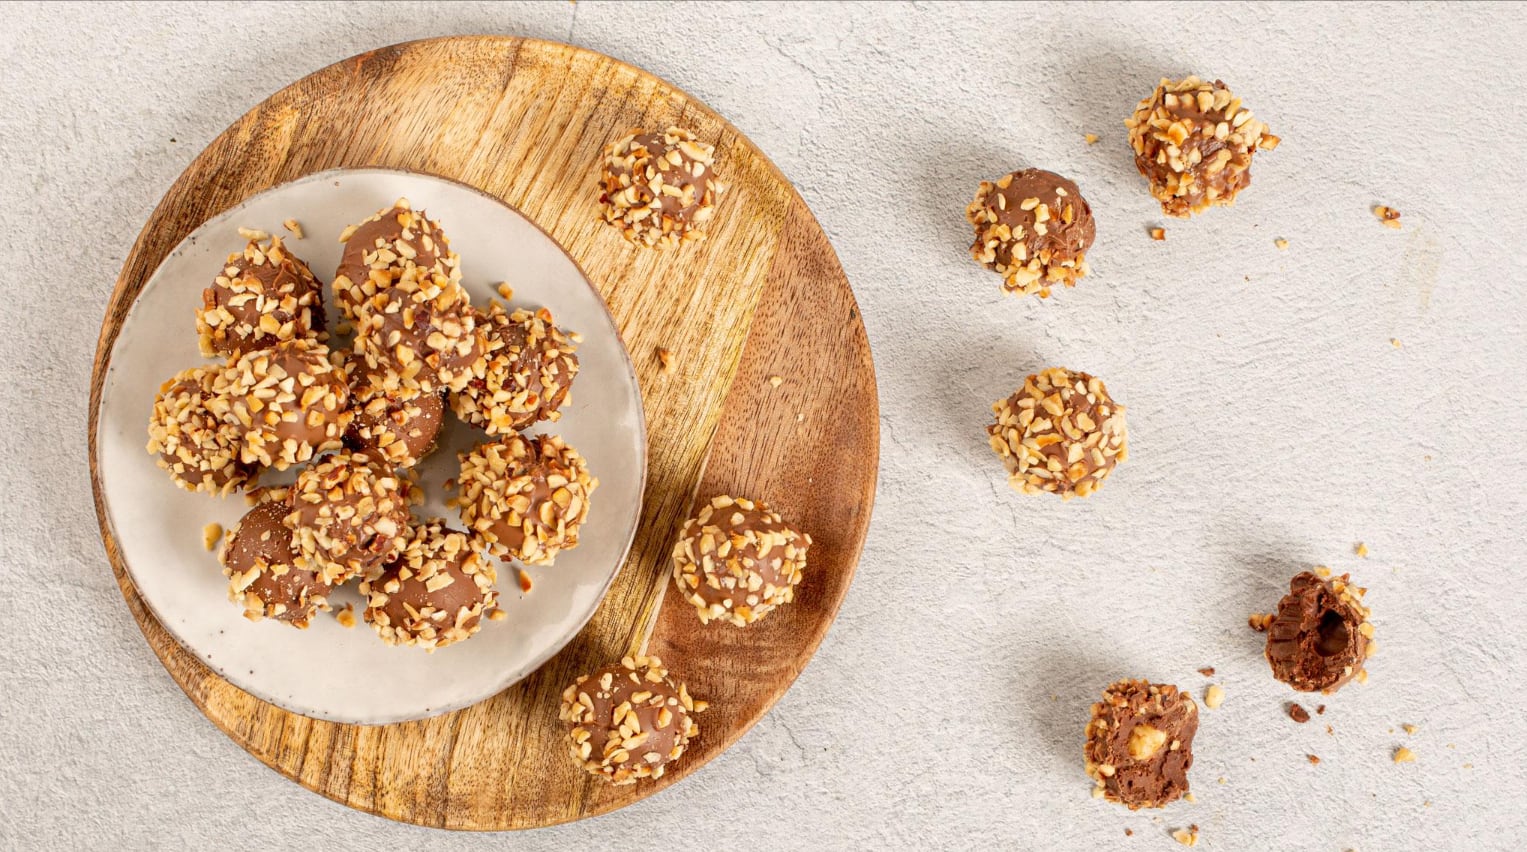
629 721
1194 142
398 424
1061 432
349 515
737 560
1140 743
189 432
1034 228
380 248
660 188
264 572
291 401
423 330
1320 636
263 295
528 376
434 593
525 498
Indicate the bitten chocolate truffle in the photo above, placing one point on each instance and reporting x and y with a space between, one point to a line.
528 376
190 433
291 401
435 593
1140 743
1194 142
380 248
737 560
660 188
423 330
1061 432
349 515
525 498
629 721
262 296
265 574
400 425
1034 228
1320 636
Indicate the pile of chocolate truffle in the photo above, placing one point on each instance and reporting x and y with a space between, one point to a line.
354 419
1062 432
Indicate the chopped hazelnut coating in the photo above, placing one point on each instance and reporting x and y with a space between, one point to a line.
1140 743
1194 142
434 593
291 402
423 330
262 296
660 189
629 721
349 515
380 249
265 574
737 560
1034 228
1061 432
1320 636
190 433
528 376
525 498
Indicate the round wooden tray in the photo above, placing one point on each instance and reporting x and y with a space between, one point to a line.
764 296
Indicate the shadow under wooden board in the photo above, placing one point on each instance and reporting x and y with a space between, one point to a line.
764 296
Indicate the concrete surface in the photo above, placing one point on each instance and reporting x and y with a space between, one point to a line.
1274 424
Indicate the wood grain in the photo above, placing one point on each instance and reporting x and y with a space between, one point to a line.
764 296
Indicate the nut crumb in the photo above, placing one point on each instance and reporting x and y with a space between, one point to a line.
1281 243
1207 671
505 290
1330 731
1410 729
1320 710
211 534
775 381
295 227
1387 216
1129 832
1092 138
1404 755
1322 572
253 234
664 359
1298 713
1214 696
346 616
1186 836
497 615
1395 342
1260 621
1190 798
1361 550
524 579
1314 761
1158 234
1221 779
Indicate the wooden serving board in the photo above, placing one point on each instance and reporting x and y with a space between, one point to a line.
764 296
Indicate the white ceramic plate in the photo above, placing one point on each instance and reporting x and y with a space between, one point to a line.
327 671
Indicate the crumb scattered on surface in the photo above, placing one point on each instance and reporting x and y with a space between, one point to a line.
799 418
1314 761
1259 621
1395 342
1158 233
1207 671
1362 676
1190 798
505 290
1404 755
253 234
295 227
1221 779
1330 731
1322 572
524 580
1281 243
498 615
1387 216
1129 832
775 381
1361 550
1214 696
1298 713
1410 729
211 534
1186 836
664 359
1092 138
1320 710
346 616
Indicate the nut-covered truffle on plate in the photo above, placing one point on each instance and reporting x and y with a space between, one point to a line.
528 376
190 433
435 593
737 560
423 330
262 296
380 248
660 189
525 498
1321 635
349 515
265 574
401 425
291 401
1034 228
1194 142
1140 743
629 721
1061 432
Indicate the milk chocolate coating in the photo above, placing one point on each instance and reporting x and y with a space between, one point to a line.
1061 432
1140 743
190 433
528 377
399 425
1319 638
434 593
659 188
291 402
380 248
651 730
525 498
349 514
738 560
264 572
423 330
1034 228
262 296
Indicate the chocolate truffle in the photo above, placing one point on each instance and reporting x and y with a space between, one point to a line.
349 515
660 188
423 330
1140 743
1061 432
1194 141
291 401
1320 636
1034 228
380 248
435 593
737 560
528 377
629 721
525 498
263 295
189 432
264 572
399 424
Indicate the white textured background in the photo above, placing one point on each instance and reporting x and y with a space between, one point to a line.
1273 423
